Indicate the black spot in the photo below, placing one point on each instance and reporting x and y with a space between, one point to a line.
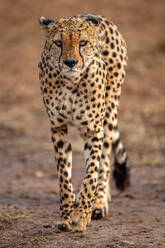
98 158
116 74
105 122
91 181
113 105
82 111
112 45
66 195
78 117
45 90
87 146
106 144
61 179
114 54
108 22
105 53
107 40
103 26
66 174
84 123
107 114
119 66
93 187
111 30
65 205
65 186
89 196
109 109
110 127
69 148
60 120
95 139
60 144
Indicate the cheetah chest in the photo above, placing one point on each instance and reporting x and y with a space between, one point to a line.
73 107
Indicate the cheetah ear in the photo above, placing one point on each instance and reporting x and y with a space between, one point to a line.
93 19
46 24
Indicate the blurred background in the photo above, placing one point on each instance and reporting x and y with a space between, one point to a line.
26 152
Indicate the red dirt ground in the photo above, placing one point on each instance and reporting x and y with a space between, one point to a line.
29 200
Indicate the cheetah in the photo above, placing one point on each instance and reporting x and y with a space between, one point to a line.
82 69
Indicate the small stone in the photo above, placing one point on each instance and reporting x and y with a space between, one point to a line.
39 174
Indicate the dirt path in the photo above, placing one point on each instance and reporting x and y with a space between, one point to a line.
29 202
29 206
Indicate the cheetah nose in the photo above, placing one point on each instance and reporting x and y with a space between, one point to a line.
70 62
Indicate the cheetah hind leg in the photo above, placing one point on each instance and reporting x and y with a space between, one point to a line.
100 208
121 175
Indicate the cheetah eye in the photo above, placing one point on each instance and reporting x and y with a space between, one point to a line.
58 43
83 43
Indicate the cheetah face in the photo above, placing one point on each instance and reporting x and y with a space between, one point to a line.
74 51
71 44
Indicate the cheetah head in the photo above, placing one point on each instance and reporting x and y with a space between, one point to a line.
71 43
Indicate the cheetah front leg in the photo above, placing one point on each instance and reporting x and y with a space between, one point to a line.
83 210
63 155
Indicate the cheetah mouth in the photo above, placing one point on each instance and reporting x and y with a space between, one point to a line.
71 71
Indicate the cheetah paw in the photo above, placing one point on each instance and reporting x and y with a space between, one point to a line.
62 226
100 209
80 220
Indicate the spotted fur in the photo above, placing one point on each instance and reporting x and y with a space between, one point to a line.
82 69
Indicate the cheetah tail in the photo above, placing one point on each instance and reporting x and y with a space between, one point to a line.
121 172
